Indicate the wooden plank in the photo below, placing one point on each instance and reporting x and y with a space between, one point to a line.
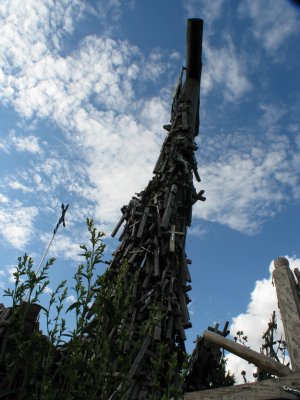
185 125
122 219
270 389
144 260
183 307
172 238
179 327
149 266
252 356
143 222
170 327
138 359
289 305
169 207
157 328
156 256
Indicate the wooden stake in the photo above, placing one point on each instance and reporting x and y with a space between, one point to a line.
266 363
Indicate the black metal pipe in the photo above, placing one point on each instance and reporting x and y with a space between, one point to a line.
194 48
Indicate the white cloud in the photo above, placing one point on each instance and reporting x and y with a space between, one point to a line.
249 182
196 230
3 147
100 72
19 186
10 270
2 279
254 322
16 225
70 299
48 290
27 143
110 11
114 137
62 247
272 23
191 308
224 67
272 114
3 199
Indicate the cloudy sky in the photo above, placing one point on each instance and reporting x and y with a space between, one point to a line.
85 87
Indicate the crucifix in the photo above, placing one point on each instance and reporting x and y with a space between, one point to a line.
172 237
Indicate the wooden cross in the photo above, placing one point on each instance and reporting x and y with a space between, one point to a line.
172 237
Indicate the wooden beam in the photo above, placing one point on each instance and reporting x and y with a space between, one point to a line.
289 305
251 356
270 389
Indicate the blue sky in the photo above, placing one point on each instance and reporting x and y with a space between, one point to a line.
85 87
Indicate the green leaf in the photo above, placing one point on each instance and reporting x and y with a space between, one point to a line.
77 304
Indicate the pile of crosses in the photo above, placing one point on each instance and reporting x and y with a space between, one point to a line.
153 243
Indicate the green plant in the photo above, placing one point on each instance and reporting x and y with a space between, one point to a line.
28 286
89 361
36 366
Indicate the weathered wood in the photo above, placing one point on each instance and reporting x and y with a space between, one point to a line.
138 358
289 305
122 219
205 359
156 256
143 223
270 389
170 327
252 356
169 208
172 233
172 238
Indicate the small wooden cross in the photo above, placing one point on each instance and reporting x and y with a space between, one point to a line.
172 237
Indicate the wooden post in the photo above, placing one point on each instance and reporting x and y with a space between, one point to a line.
252 356
289 305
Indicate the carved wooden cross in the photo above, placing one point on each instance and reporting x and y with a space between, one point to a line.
172 237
